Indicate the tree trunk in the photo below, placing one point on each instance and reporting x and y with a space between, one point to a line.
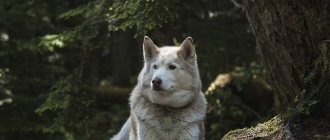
290 35
120 59
293 39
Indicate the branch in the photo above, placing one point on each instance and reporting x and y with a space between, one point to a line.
115 94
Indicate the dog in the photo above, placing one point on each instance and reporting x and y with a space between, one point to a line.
167 102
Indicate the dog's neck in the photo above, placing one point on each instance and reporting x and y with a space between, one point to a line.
167 109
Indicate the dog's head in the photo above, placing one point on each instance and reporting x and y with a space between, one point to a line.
170 76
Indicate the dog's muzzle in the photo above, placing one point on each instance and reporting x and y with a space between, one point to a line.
156 84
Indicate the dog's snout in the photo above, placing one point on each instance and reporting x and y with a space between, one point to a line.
157 81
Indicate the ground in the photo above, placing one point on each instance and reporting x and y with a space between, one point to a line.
276 128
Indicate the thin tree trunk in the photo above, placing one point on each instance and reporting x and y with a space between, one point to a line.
120 59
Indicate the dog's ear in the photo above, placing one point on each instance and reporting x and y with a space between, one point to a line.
149 48
187 49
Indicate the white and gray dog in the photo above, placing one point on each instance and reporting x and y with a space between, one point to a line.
167 102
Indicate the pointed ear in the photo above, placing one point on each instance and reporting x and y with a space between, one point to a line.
187 48
150 50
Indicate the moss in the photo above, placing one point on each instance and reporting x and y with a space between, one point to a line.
270 129
325 55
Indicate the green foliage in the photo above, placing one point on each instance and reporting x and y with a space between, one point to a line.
72 105
59 96
5 93
228 101
52 104
303 105
308 101
144 15
54 53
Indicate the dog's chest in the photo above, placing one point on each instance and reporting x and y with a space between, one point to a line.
164 128
168 129
166 120
163 124
167 124
169 119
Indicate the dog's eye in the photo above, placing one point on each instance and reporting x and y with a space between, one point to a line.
171 67
155 67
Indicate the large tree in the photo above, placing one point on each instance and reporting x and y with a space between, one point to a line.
293 40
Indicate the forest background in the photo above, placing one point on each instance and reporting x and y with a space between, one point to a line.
67 67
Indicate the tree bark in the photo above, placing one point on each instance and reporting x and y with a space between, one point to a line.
293 39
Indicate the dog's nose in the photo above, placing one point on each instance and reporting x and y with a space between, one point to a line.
157 82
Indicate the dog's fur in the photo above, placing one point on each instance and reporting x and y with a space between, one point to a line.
175 108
